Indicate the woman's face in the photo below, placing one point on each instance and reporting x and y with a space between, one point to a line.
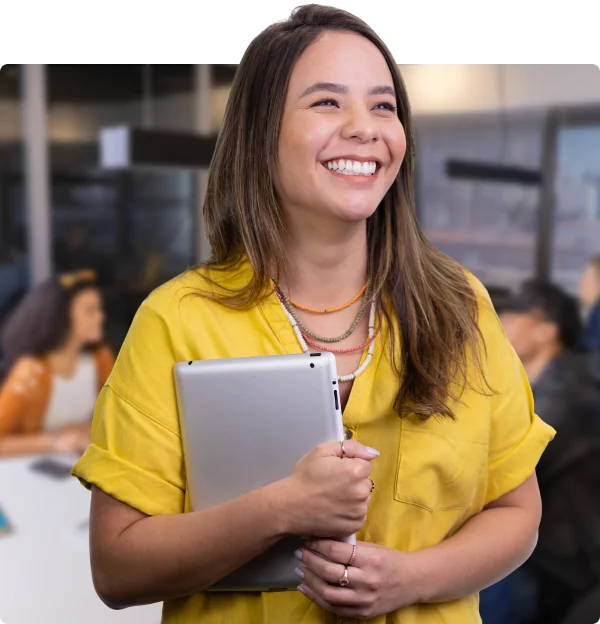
341 143
87 316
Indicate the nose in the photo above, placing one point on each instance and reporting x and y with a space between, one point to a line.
360 126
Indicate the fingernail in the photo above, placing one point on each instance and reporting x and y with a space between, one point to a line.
302 589
373 451
299 573
298 554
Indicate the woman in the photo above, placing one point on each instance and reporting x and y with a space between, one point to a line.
589 296
56 364
311 184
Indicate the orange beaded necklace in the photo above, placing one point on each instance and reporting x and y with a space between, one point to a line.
330 310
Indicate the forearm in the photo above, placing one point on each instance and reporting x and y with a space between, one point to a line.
170 556
489 547
14 445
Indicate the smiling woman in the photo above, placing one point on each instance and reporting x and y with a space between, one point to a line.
309 202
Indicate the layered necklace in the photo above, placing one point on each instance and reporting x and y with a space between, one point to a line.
306 337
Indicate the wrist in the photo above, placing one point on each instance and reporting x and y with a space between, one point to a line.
421 575
279 507
51 442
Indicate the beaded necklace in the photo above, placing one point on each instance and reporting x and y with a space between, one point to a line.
307 331
330 310
361 369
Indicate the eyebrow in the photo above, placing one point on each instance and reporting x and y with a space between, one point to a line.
332 87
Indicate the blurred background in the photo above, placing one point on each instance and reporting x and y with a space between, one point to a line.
104 167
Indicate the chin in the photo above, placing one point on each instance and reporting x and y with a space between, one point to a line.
354 213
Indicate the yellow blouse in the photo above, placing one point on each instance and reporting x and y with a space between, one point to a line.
431 476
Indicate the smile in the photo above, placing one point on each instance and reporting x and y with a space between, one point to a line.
352 167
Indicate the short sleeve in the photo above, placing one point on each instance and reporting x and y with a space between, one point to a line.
136 453
17 393
518 437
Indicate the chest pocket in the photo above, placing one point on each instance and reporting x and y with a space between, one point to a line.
437 468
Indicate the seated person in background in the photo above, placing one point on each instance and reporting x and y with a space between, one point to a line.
55 364
589 297
542 323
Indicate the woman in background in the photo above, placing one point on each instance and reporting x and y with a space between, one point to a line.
589 296
55 363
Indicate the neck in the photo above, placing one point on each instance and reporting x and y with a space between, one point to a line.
325 264
535 365
70 350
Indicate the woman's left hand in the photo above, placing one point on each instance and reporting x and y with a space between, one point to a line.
381 580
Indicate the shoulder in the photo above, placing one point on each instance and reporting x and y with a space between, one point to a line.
103 357
487 316
481 293
196 289
102 352
27 374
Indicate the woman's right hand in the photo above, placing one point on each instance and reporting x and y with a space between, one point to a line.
327 495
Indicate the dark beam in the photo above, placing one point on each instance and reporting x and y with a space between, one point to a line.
492 172
122 147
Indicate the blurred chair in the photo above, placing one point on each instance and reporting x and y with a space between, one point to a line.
587 611
568 551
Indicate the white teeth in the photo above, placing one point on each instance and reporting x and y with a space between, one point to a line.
352 167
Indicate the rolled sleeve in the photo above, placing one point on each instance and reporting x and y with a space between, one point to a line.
517 436
519 463
133 458
136 455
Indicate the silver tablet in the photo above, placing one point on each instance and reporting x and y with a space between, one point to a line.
245 423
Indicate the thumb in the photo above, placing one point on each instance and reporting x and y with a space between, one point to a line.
352 448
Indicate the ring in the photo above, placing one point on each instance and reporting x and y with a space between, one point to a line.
344 582
343 448
372 483
353 556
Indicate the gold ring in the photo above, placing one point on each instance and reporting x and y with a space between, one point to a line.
343 448
372 483
344 582
353 556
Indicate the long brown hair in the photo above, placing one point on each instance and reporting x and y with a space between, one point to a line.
431 311
41 321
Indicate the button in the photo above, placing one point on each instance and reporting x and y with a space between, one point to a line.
347 434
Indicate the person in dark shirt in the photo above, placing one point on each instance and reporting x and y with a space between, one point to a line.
589 297
543 325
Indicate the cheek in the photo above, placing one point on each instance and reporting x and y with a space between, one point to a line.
395 139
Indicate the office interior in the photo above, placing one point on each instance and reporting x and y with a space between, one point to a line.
507 183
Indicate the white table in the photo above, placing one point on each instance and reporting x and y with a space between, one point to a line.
45 575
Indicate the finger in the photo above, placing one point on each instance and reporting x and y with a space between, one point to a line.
352 448
351 612
359 467
333 595
355 449
337 552
324 569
